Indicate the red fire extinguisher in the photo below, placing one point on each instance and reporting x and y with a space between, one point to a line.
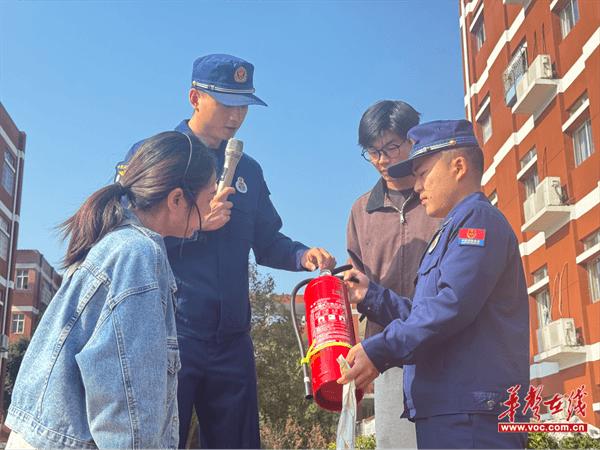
330 333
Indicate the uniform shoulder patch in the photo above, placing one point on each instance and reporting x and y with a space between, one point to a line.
472 236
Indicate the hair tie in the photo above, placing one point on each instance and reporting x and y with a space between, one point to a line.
123 190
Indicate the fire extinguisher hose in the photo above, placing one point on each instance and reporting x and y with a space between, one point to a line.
312 350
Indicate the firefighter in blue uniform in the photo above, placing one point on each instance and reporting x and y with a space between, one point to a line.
218 376
464 338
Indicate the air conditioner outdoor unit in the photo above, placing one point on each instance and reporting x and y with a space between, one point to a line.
548 193
557 333
541 67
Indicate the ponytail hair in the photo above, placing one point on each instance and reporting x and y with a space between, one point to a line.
163 162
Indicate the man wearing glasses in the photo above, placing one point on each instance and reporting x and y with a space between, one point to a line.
387 233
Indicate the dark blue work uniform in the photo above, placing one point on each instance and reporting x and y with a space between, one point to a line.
218 375
464 338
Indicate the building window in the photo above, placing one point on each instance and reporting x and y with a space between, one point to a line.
530 182
479 33
569 15
485 122
528 157
4 239
22 278
493 198
593 270
591 240
18 323
583 145
542 299
517 67
8 172
540 274
577 104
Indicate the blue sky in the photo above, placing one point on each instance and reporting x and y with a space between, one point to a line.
85 80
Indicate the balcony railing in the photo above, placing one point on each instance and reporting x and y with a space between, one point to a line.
517 67
536 87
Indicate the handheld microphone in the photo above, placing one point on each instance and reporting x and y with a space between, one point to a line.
233 153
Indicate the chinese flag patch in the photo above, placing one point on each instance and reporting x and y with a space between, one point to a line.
472 236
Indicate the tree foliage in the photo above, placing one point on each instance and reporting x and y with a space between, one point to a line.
574 440
287 419
16 351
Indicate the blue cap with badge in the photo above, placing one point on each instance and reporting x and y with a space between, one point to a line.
226 78
432 137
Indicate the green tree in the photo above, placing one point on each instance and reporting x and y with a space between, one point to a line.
576 440
16 351
287 419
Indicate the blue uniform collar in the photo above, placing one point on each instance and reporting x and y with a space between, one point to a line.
465 203
184 127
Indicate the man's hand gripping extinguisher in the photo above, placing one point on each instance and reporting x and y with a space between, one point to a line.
330 331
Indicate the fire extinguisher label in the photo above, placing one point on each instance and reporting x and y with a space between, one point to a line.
329 322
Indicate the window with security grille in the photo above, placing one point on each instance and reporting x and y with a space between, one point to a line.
18 323
22 278
569 16
583 145
515 70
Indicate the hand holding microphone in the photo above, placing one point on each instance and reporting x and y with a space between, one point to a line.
233 154
220 207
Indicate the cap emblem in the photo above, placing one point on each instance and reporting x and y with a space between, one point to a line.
240 75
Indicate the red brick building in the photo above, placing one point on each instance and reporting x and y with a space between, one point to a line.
36 282
532 87
12 147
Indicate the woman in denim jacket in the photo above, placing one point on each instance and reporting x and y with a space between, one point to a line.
101 369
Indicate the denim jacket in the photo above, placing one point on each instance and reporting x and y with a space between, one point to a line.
101 369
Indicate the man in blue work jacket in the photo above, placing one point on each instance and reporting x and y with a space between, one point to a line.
464 338
218 375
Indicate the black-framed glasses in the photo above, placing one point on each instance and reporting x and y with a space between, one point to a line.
391 151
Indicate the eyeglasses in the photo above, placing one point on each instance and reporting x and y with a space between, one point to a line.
391 151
